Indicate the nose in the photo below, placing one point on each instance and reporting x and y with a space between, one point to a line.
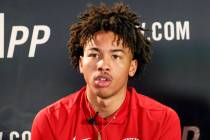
104 64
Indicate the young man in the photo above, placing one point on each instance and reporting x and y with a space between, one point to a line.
108 48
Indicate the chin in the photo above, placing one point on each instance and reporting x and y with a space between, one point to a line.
103 94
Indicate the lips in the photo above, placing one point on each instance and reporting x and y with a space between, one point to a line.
102 81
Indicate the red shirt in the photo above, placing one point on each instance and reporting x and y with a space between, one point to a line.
139 118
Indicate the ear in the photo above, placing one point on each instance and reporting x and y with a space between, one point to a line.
133 68
81 64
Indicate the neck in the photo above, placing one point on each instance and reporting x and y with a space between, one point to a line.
106 106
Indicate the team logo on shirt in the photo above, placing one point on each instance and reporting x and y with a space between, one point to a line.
82 139
122 139
131 139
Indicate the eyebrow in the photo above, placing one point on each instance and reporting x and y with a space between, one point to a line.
118 50
98 50
94 49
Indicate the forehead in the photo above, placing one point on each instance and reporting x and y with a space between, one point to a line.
105 39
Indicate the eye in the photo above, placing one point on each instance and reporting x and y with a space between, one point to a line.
93 55
116 56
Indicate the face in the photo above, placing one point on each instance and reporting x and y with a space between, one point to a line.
106 65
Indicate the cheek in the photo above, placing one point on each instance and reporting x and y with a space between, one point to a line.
121 69
88 66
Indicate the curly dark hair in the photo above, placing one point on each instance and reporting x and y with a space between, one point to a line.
119 19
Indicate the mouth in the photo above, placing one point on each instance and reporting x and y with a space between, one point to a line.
102 81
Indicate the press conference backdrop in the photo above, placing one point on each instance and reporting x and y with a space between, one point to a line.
35 71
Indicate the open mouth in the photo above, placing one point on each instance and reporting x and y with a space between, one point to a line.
102 81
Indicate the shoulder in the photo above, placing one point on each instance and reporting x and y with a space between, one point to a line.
51 120
156 116
152 108
61 107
